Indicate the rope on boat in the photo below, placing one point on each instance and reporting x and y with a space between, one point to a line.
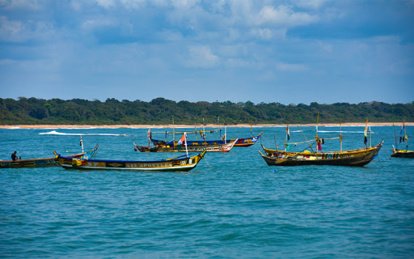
209 164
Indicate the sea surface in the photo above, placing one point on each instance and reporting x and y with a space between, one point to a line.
232 205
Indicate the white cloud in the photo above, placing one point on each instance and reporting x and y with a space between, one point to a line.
11 30
201 56
269 34
284 16
20 31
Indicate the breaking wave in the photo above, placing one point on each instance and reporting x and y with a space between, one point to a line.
54 132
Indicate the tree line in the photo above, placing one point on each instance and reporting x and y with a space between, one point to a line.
159 111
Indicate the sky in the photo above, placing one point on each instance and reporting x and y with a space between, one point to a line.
263 51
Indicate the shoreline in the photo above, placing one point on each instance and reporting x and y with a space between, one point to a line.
67 126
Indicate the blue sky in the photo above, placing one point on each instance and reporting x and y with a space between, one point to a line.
298 51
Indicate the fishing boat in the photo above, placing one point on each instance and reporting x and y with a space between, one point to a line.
241 142
44 162
403 153
355 157
176 147
182 163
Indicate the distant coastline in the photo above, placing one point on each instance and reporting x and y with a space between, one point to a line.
348 124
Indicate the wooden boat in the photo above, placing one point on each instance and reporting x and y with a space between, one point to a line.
44 162
356 157
403 153
181 148
182 163
241 142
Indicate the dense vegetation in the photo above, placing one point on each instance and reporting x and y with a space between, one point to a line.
160 111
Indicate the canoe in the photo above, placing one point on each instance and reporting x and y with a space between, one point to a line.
402 153
182 163
43 162
355 157
241 142
181 148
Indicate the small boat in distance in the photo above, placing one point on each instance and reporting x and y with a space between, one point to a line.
355 157
404 153
241 142
182 163
179 148
44 162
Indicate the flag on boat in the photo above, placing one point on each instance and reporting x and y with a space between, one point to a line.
365 132
149 133
182 140
287 132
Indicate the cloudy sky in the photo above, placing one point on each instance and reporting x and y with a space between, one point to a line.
297 51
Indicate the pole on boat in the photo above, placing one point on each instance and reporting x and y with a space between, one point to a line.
307 140
365 133
274 136
370 136
81 143
340 134
185 142
149 137
287 136
204 132
219 125
405 136
173 132
195 126
225 134
395 135
317 139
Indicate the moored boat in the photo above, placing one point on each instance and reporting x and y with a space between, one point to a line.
181 148
403 153
43 162
182 163
355 157
241 142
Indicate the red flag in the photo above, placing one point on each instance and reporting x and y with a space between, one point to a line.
182 140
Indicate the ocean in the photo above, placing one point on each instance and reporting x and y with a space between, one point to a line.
232 205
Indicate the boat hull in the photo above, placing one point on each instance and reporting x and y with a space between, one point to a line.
403 153
357 157
174 164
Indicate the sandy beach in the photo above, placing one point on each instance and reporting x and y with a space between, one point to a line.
356 124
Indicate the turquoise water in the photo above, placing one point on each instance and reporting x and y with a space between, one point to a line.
231 206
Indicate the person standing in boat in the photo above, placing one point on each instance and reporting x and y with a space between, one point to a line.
14 156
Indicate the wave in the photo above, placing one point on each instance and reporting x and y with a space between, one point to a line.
54 132
333 131
337 131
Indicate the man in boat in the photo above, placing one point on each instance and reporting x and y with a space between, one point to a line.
14 156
